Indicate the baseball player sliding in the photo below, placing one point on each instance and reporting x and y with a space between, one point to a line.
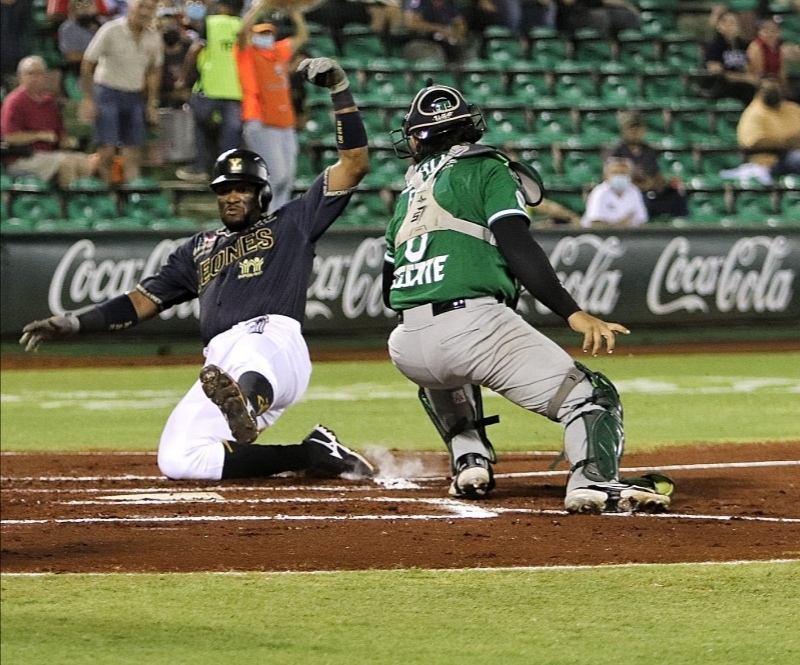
251 278
458 246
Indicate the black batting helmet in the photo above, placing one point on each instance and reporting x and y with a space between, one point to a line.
243 166
436 110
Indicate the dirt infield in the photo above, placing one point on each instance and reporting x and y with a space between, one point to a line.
115 513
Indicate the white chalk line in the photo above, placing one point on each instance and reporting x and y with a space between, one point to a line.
403 571
459 511
523 474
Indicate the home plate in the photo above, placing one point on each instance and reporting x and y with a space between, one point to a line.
166 497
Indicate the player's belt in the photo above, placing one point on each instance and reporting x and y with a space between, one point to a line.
425 313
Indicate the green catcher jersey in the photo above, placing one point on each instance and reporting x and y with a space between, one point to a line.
439 238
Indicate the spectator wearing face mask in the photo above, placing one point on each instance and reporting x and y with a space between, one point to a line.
267 110
772 124
616 201
661 197
177 43
77 31
216 99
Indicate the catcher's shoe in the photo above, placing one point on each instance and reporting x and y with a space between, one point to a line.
330 459
474 478
221 389
615 497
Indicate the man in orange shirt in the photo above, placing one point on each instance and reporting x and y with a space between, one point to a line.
267 111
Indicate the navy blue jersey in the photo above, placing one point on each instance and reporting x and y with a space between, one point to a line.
264 269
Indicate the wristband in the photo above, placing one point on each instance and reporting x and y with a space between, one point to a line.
115 314
350 131
342 99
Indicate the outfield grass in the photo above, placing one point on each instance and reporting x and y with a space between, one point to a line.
710 615
697 398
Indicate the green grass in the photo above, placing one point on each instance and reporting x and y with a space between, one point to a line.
725 615
698 398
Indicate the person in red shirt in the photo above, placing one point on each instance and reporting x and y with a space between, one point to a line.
30 117
268 116
764 54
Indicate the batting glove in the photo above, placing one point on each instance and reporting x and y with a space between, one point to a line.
325 72
46 329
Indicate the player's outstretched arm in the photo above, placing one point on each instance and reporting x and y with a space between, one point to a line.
116 314
351 137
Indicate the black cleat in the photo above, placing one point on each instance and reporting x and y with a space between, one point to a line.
225 393
330 459
474 478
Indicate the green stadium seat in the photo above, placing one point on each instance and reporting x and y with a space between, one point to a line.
528 86
553 126
15 224
683 55
678 164
591 47
581 167
707 207
622 90
482 87
636 49
119 224
176 225
575 88
547 50
148 206
36 206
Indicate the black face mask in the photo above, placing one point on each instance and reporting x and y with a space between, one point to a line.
773 98
171 37
85 21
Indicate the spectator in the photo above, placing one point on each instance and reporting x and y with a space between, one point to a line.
616 201
773 124
174 93
216 99
16 20
518 16
608 17
660 196
121 77
437 23
726 62
31 117
382 16
194 18
75 33
767 55
267 111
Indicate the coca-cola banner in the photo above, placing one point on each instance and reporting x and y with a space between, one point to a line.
644 277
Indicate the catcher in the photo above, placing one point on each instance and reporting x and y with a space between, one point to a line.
251 277
458 246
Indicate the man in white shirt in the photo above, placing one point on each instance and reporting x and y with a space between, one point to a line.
615 201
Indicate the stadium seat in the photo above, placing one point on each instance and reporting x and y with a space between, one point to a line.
591 47
36 206
636 49
581 167
553 126
547 50
707 207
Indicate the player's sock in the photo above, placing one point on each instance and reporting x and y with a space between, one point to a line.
257 390
254 461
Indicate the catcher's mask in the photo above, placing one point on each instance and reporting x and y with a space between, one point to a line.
243 166
435 110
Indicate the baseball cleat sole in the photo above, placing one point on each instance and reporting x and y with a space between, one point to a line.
472 483
589 500
223 391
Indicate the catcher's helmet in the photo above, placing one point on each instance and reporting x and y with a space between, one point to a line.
243 166
436 110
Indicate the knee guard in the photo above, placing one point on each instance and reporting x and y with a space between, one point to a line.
605 436
458 410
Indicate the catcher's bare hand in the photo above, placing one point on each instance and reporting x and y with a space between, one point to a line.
596 332
324 72
46 329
